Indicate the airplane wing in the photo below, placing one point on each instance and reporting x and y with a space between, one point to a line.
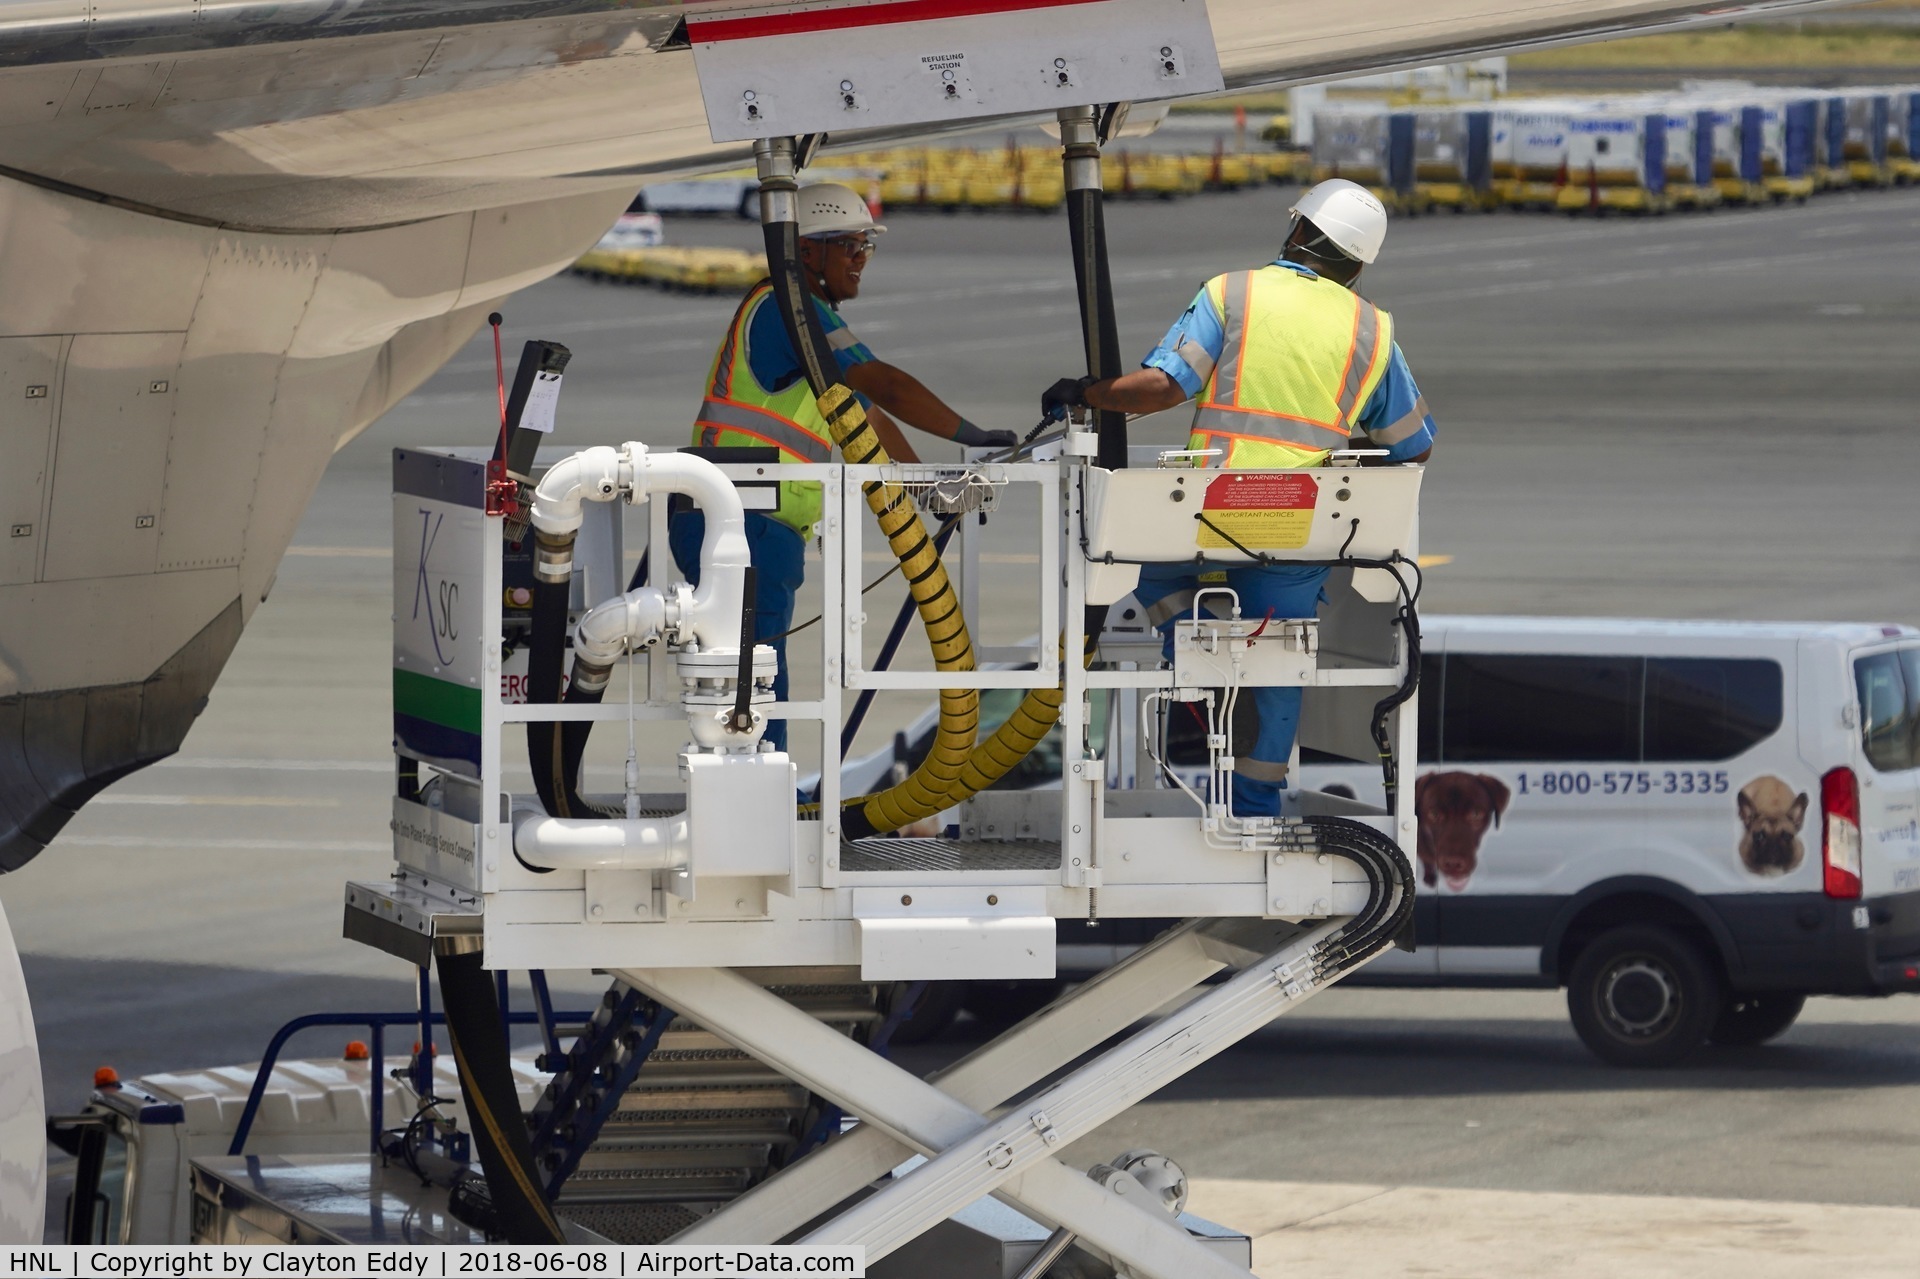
233 233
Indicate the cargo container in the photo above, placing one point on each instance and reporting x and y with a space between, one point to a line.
1616 160
1452 158
1529 153
1795 175
1903 136
1857 139
1351 143
1689 156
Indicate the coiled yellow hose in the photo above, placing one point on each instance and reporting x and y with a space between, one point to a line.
926 791
955 768
1014 740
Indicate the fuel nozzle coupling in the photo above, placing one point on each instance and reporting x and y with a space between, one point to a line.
1080 148
552 557
773 159
709 684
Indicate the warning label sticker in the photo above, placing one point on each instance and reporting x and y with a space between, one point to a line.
1270 512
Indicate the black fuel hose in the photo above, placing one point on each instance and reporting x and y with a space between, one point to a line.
1087 230
546 662
500 1134
554 751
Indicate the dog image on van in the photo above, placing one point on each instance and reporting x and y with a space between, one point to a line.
1456 810
1771 815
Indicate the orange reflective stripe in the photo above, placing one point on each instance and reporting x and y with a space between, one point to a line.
1360 359
1226 440
723 366
1236 293
1273 428
789 436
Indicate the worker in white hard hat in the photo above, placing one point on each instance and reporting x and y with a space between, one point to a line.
757 395
1284 364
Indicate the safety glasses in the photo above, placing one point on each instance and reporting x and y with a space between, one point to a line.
859 244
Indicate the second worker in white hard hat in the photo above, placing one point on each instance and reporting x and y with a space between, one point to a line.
1284 364
757 395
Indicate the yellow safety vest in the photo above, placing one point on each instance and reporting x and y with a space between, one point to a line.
1302 357
739 412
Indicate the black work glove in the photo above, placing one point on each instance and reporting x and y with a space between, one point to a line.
975 438
1068 393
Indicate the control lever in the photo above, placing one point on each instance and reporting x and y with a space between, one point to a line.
741 720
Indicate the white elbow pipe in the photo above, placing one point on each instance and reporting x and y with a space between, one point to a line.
592 475
590 843
599 474
714 615
608 628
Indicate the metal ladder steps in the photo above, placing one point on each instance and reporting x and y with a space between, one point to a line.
602 1164
665 1187
639 1102
670 1129
728 1074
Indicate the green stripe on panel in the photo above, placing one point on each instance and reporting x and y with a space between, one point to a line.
436 701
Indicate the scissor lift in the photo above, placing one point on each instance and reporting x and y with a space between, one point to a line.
1288 904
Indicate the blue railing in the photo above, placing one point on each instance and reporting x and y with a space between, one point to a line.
376 1025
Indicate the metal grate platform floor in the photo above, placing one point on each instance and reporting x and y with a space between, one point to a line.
962 855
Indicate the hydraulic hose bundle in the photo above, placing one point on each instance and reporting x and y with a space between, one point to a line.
1389 907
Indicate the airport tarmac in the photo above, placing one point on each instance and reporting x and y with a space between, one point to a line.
1707 416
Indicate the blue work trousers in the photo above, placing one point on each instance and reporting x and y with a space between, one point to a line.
779 565
1167 592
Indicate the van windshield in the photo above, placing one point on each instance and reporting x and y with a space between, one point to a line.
1889 688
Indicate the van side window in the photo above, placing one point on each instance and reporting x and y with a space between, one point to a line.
1887 709
1524 708
1910 667
1707 708
1432 690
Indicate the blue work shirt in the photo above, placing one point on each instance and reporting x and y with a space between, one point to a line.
1394 399
771 356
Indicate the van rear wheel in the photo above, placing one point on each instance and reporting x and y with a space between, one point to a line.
1754 1019
1643 996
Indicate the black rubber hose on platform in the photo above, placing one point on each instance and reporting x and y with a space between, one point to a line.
493 1102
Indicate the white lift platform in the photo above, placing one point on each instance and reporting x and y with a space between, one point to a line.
707 902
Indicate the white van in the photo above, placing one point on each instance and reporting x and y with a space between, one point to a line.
1692 826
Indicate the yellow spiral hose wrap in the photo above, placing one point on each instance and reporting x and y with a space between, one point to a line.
1014 740
926 791
955 767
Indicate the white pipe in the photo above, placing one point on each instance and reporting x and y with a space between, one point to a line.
712 616
596 474
604 843
606 629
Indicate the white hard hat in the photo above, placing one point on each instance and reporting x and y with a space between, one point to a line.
1347 214
827 208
